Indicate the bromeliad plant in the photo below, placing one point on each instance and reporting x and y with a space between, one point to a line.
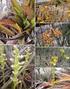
20 22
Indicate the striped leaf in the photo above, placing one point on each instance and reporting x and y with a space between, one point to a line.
5 30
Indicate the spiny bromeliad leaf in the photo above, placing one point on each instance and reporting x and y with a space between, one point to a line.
16 5
28 11
17 12
12 24
28 7
5 30
33 22
29 2
17 9
7 21
21 19
17 27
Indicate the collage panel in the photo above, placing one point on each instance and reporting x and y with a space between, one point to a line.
34 44
17 67
17 22
52 78
53 35
50 11
52 57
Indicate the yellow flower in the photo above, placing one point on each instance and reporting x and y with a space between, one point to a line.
54 60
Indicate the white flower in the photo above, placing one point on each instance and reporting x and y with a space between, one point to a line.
12 59
21 56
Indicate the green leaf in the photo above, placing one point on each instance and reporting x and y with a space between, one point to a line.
33 22
26 23
16 5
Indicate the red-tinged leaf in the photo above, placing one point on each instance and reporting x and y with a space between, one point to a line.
17 27
11 23
7 21
5 30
